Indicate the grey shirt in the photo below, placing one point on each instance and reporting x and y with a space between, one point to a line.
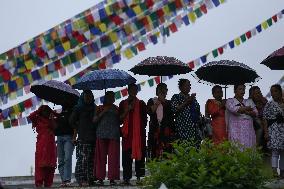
108 127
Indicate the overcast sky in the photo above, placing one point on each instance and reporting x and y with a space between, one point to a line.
22 20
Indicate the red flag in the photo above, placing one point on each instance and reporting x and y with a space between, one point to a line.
124 92
57 65
173 27
158 79
28 103
274 18
191 64
102 65
160 13
203 8
140 46
145 21
220 50
248 34
116 19
14 122
90 19
149 3
178 4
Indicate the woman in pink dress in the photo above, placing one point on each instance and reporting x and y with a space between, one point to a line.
45 155
239 118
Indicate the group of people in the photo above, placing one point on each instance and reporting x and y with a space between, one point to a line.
96 130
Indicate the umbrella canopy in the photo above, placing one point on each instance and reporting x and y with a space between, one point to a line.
226 72
161 66
56 92
104 79
275 61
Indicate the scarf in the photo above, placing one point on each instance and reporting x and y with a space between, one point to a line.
136 135
159 111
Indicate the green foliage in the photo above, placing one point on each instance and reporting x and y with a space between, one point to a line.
211 166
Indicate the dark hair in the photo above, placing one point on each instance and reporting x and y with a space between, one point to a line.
237 85
107 94
277 86
160 86
132 85
252 89
87 92
181 82
215 88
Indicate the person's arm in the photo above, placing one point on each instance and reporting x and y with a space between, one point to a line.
73 119
99 114
265 129
212 109
231 107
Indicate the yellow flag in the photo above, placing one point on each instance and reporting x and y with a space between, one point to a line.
84 61
42 72
48 77
13 96
30 78
103 27
66 45
113 37
79 55
222 1
16 109
72 81
128 53
137 10
6 88
108 10
238 41
192 17
20 82
166 10
29 64
264 25
128 29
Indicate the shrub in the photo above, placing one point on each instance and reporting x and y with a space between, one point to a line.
211 166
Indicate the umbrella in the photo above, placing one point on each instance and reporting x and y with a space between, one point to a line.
161 66
104 79
56 92
226 72
275 61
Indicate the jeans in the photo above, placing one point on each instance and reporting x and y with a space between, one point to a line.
65 149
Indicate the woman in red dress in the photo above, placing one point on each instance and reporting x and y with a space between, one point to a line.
215 108
45 155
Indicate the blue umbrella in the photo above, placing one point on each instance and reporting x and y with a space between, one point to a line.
104 79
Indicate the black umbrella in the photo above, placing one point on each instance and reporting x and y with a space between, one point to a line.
56 92
226 72
161 66
275 61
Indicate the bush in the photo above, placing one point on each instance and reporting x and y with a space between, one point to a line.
212 166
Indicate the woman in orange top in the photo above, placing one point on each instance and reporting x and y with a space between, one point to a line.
215 108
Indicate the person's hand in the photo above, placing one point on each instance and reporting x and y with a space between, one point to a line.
266 136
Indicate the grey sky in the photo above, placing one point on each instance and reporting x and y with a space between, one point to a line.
22 20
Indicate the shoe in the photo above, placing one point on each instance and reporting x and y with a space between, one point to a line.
126 182
100 183
63 184
112 182
275 173
138 182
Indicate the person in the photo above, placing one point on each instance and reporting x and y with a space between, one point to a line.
239 118
258 122
274 128
85 138
133 116
65 146
187 114
215 109
43 121
161 131
108 140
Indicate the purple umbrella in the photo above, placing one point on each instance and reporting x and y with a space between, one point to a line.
275 61
56 92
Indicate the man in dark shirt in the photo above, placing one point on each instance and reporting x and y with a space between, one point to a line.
65 146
